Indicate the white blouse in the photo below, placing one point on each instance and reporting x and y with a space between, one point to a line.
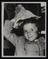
23 48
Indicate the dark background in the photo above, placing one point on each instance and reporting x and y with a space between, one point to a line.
9 13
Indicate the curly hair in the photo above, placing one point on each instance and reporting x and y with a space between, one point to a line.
20 31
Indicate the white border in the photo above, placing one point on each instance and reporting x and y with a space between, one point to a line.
2 26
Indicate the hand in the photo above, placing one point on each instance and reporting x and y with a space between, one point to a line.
17 23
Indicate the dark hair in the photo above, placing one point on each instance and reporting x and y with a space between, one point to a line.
20 31
30 20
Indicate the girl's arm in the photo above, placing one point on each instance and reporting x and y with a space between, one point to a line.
7 27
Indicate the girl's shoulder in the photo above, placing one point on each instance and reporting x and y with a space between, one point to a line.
41 42
41 39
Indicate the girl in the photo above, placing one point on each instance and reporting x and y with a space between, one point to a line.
34 43
24 34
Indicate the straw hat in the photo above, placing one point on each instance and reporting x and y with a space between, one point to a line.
22 14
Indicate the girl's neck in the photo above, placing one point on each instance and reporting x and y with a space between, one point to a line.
27 41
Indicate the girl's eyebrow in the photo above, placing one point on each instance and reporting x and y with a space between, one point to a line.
25 30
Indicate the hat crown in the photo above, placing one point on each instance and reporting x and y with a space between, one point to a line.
23 13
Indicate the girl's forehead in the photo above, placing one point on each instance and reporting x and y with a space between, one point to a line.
29 26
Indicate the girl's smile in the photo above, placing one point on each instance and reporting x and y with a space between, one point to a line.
30 31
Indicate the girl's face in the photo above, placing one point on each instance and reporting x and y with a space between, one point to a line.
30 31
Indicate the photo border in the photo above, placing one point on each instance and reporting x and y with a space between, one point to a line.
2 19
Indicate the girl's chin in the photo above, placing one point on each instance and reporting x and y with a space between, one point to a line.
31 39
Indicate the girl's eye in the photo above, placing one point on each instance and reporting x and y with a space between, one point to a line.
25 31
32 29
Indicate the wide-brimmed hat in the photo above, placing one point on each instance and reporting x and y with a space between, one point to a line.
21 14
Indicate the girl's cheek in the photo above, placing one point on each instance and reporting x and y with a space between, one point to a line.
35 35
25 35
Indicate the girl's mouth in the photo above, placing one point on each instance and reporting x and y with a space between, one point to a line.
30 36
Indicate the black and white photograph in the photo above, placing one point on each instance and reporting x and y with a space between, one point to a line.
23 29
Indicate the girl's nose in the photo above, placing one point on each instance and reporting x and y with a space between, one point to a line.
29 34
